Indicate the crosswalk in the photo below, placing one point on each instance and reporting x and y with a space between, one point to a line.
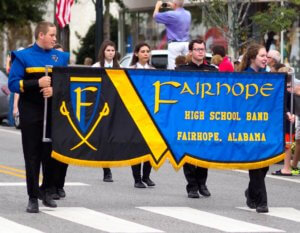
104 222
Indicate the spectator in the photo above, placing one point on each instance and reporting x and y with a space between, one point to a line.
273 58
288 168
216 60
225 65
180 60
177 22
88 61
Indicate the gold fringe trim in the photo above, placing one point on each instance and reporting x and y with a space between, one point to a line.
168 155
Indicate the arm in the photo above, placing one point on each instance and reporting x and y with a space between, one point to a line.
18 84
157 7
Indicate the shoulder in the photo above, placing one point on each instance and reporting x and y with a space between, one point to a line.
21 54
184 67
97 64
208 67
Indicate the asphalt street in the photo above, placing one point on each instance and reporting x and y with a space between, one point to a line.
94 206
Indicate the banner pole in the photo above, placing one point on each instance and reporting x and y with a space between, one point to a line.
45 139
292 104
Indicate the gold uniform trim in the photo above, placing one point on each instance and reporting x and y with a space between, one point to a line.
37 70
138 112
21 83
86 79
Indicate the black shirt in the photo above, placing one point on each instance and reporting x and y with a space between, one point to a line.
193 66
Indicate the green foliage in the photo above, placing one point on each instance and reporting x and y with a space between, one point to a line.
87 43
276 18
20 12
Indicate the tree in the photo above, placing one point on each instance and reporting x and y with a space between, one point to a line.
277 18
16 12
230 17
106 18
87 48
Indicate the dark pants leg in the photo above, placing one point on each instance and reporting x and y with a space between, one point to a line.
106 171
136 172
59 174
32 149
257 187
195 176
146 170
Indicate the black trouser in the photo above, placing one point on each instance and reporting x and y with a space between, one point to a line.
136 171
257 187
35 151
195 176
106 171
60 174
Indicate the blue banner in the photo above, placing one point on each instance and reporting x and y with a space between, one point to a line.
210 119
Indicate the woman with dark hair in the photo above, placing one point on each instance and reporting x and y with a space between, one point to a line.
140 60
141 57
107 55
107 58
255 60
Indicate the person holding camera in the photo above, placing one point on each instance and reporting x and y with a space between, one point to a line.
177 22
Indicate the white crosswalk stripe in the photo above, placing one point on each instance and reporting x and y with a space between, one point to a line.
281 212
98 220
7 226
210 220
107 223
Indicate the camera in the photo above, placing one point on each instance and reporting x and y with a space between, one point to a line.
164 5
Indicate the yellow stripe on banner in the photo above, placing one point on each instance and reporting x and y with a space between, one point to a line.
37 70
93 163
86 79
21 86
223 166
138 112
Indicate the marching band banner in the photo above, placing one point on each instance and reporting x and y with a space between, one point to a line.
118 117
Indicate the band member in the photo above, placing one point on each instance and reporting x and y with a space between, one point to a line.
27 77
196 176
140 60
107 58
255 60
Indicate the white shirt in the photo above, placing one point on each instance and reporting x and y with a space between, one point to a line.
140 66
106 64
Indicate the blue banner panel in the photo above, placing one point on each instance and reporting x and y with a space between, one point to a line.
118 117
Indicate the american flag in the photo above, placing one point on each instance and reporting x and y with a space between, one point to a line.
63 12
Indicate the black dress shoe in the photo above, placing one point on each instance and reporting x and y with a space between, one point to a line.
48 200
193 194
204 191
61 192
33 205
55 196
250 203
108 177
139 184
148 181
262 209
